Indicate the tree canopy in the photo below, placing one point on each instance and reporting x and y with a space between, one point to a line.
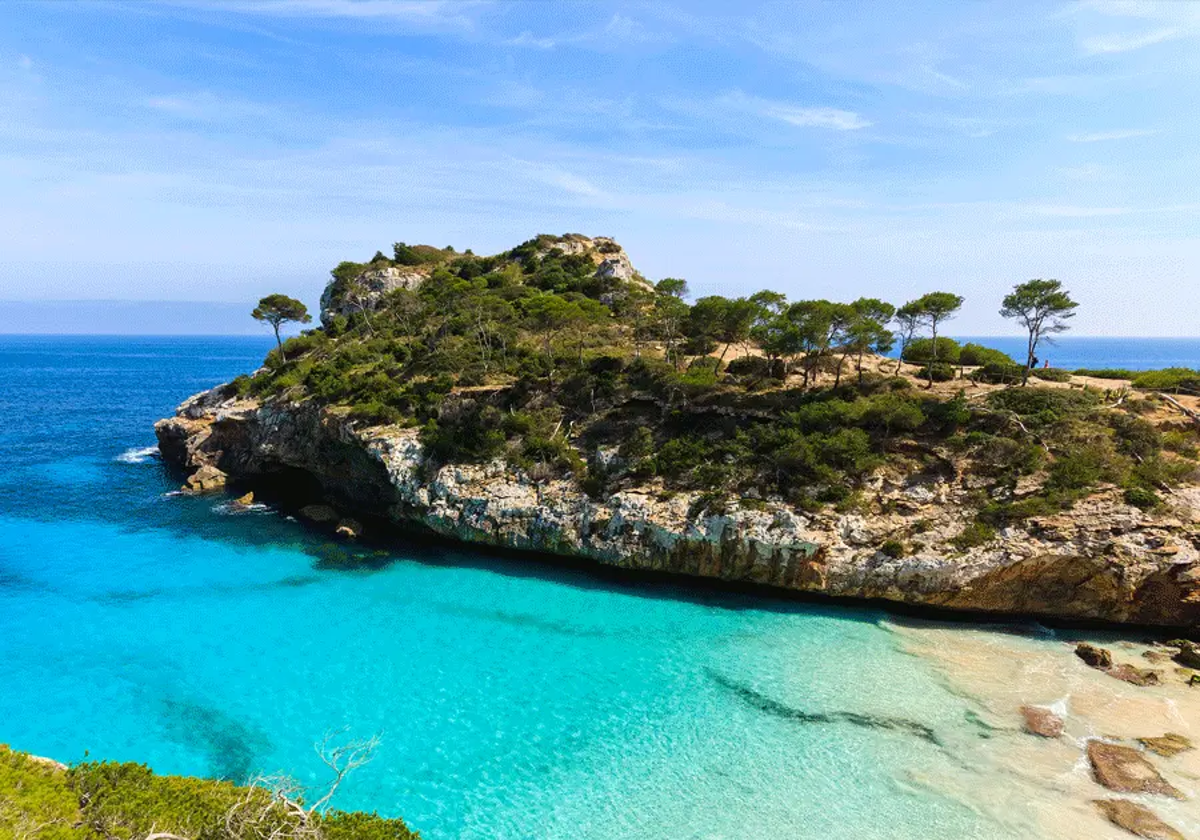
1042 307
278 310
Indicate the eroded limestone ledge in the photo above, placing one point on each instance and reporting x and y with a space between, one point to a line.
1103 560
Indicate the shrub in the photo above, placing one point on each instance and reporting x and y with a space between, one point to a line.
1168 379
999 374
1142 498
977 354
1181 443
974 535
893 549
749 367
1052 374
942 372
1135 436
1082 467
1107 373
920 350
1046 402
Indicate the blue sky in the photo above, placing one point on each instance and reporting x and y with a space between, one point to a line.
217 150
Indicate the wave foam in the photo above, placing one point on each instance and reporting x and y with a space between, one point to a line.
235 509
138 456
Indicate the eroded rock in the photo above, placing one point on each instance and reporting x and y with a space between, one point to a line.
1136 819
1189 655
1042 721
1126 770
350 529
1167 745
1097 657
1136 676
207 479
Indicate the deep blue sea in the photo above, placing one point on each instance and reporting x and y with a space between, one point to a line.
1074 352
515 699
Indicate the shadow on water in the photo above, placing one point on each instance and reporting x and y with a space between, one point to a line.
774 708
231 746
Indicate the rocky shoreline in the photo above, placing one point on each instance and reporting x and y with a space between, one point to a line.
1103 561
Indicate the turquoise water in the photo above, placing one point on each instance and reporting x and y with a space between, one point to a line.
1074 352
515 699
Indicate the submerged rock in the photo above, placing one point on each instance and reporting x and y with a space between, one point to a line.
1041 721
1136 819
1137 676
1097 657
1126 770
1189 654
1167 745
321 514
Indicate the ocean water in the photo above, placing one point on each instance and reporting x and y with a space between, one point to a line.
514 698
1074 352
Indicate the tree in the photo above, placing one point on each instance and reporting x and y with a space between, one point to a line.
908 321
1042 307
670 310
937 307
866 331
277 310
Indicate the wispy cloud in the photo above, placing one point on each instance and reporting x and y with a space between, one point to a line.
804 116
1120 134
411 11
1120 42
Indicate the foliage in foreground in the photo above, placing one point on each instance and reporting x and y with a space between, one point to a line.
113 801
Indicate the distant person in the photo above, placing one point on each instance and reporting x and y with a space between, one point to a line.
1046 365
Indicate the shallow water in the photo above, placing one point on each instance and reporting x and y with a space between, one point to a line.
515 699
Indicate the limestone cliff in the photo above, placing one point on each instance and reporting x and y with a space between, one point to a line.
1103 560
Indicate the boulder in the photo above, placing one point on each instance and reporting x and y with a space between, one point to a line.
1126 770
1136 676
321 514
1041 721
244 501
1167 745
207 479
349 528
1156 656
1097 657
1136 819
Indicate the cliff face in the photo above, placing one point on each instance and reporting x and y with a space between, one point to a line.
1103 560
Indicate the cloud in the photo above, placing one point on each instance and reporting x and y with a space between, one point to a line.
1127 42
406 11
834 118
1121 134
528 39
1076 212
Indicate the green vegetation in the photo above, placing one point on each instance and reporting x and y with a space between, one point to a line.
1042 307
544 359
278 310
112 801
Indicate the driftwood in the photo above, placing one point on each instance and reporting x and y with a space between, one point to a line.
1192 415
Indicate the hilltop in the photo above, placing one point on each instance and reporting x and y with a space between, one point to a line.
551 398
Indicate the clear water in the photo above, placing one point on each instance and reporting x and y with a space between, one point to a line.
516 699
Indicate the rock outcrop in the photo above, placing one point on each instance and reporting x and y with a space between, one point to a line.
1098 561
1126 770
1137 819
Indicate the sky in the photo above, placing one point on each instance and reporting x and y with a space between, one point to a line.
217 151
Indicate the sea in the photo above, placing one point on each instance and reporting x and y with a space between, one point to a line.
513 697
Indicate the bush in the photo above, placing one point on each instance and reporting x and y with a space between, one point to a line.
999 374
977 354
749 367
942 372
1142 498
1048 403
974 535
893 549
1052 374
1107 373
1181 443
1081 468
1168 379
920 350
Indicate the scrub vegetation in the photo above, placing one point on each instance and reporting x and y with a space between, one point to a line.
546 358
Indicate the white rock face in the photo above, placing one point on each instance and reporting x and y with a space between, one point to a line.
372 285
1104 559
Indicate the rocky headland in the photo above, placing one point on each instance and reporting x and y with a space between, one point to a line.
909 531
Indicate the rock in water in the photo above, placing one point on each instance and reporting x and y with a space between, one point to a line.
349 528
1097 657
1126 770
245 501
1167 745
319 513
1136 819
207 479
1136 676
1041 721
1189 655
